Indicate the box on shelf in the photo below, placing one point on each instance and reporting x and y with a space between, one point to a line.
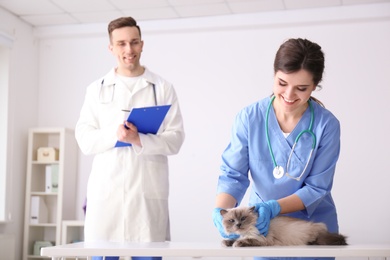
38 211
39 244
47 154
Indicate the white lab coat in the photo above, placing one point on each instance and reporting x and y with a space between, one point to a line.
127 193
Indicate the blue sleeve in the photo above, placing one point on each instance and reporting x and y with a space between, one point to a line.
235 161
319 182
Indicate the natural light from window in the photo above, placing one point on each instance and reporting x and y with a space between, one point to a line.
4 74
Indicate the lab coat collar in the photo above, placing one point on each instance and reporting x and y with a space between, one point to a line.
111 79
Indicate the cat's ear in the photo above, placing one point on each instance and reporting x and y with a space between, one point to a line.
223 212
252 209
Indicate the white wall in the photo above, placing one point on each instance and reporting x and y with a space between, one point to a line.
21 114
7 247
219 65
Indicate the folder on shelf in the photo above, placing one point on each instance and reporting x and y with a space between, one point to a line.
38 211
51 178
147 120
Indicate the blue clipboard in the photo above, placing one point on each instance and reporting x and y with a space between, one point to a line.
147 120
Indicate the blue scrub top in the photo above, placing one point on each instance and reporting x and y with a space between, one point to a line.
248 153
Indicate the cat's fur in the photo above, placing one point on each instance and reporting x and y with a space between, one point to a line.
283 230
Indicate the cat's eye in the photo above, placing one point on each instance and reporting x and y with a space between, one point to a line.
243 218
231 220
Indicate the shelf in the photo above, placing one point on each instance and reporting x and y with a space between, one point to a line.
72 231
43 225
37 257
57 205
40 193
45 163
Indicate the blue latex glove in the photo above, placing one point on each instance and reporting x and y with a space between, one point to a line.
267 211
217 218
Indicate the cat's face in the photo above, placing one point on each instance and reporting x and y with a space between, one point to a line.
238 220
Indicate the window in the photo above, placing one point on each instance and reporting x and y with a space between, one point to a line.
4 82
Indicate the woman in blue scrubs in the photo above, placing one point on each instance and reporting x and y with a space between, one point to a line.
295 182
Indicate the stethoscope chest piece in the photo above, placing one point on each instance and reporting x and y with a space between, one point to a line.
278 172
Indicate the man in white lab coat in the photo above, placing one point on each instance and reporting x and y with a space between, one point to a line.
128 186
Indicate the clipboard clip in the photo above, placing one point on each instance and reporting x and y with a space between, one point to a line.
127 111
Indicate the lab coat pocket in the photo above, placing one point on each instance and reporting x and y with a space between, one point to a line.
156 178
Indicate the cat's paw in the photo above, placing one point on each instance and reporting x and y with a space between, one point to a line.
248 242
227 242
241 243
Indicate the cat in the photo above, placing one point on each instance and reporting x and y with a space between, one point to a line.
283 230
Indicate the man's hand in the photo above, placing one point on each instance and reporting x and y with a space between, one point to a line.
128 133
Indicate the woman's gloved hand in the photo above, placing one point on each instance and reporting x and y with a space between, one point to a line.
267 211
217 219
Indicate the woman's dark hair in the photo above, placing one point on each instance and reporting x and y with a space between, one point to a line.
122 22
296 54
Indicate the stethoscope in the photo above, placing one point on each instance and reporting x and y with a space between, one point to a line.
102 100
278 171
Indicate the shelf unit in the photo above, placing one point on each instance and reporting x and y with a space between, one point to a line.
60 204
72 231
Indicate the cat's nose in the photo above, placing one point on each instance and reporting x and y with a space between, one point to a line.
238 225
